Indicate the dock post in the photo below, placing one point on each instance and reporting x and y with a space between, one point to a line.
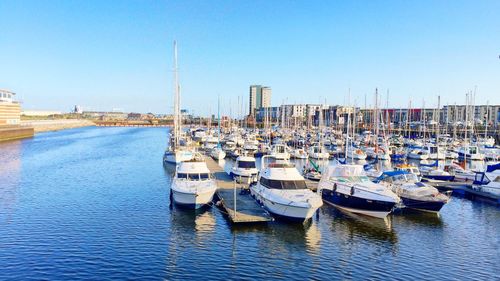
234 182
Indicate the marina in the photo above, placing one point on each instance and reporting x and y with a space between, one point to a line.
249 140
115 208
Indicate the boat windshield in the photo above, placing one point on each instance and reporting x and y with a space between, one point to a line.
195 177
246 164
281 184
402 178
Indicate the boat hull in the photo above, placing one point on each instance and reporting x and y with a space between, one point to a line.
374 208
192 200
440 177
422 205
177 157
285 212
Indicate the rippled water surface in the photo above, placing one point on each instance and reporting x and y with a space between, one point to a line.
93 204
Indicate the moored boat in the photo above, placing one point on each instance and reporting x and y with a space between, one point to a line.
414 194
348 188
284 193
193 186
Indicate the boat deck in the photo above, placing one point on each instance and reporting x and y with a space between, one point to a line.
231 198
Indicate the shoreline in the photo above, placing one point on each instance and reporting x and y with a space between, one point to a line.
40 126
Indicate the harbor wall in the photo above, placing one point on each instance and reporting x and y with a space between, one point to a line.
15 132
55 125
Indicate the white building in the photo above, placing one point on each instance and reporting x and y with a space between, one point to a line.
10 110
259 97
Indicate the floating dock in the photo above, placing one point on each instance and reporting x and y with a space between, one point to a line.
240 208
463 188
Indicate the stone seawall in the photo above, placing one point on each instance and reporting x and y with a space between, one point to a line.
55 125
15 132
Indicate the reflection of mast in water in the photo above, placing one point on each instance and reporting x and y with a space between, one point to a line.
10 174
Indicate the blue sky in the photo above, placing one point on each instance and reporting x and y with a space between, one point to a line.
118 54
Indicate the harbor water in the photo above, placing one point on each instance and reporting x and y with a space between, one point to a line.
93 204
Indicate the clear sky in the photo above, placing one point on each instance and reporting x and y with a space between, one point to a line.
118 54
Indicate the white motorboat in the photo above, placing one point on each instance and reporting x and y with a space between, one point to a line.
450 154
318 152
414 194
193 186
282 190
418 153
217 153
299 153
348 188
356 154
488 183
280 152
435 152
378 153
245 170
250 147
177 155
210 143
470 152
410 169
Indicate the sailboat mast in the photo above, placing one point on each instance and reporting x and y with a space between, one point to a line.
438 120
487 119
176 99
218 118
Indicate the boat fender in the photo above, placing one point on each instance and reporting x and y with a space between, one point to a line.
334 188
352 190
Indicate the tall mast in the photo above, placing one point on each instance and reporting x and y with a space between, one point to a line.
376 116
424 120
218 119
438 119
455 117
487 119
176 99
466 115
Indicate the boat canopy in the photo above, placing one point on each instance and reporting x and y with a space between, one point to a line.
492 168
435 164
345 171
388 174
193 168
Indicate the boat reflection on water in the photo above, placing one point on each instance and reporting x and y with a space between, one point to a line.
294 236
169 169
199 223
10 176
412 217
354 226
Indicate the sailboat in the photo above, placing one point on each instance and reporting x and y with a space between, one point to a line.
217 153
175 153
